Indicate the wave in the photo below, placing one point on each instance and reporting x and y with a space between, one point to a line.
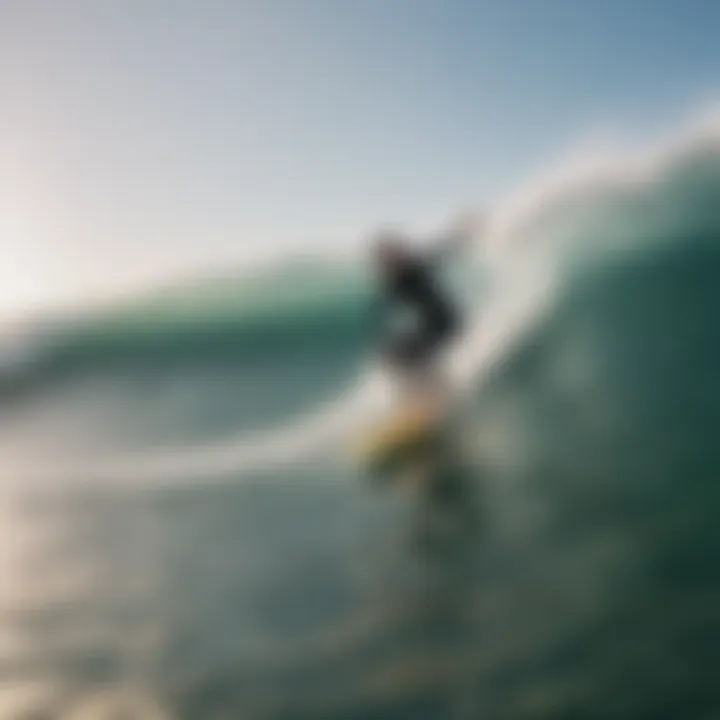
293 308
540 249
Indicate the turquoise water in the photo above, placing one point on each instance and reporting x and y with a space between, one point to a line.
170 546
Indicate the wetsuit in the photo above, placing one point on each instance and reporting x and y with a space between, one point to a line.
414 286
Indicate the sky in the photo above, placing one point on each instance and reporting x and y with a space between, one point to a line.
145 138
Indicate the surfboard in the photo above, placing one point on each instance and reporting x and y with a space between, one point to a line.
406 433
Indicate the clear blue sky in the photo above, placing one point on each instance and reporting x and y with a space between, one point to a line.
141 137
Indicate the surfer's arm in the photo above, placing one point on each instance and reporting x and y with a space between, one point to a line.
448 248
453 243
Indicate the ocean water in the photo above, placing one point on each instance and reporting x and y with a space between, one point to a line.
185 536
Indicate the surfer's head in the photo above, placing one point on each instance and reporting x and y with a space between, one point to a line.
390 252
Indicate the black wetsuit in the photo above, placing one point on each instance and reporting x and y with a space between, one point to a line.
415 287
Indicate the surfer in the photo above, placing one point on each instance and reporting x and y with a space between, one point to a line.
409 283
417 445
